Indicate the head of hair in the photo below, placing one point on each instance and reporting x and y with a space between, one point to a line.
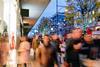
45 35
98 29
74 42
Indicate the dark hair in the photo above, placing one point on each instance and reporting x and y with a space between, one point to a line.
74 42
46 35
98 29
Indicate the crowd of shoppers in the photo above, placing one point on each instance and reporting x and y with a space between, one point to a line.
53 50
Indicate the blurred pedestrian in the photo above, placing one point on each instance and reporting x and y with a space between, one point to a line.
35 44
24 52
74 34
4 51
87 45
46 55
72 54
55 41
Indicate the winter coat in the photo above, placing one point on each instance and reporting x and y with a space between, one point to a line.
24 52
4 51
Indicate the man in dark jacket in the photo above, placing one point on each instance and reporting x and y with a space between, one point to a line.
72 53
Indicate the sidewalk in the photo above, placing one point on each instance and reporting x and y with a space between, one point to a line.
12 58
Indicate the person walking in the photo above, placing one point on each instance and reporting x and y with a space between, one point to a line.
4 51
72 54
24 52
47 56
35 44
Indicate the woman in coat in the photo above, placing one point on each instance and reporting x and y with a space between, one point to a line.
4 51
24 51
